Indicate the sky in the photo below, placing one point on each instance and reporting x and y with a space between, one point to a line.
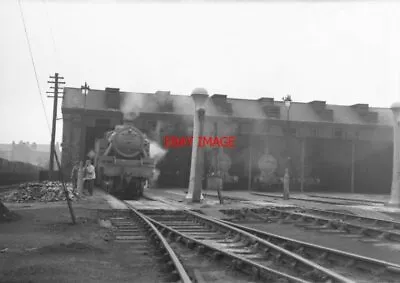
342 53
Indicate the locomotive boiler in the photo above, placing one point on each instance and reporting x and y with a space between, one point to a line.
122 161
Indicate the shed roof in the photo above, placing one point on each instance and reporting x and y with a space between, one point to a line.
241 108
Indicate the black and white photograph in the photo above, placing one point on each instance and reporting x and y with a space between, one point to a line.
200 141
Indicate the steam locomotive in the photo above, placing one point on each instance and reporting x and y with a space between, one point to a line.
122 161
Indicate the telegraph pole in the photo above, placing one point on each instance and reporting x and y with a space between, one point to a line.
55 88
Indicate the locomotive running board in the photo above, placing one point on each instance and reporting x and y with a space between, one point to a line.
111 160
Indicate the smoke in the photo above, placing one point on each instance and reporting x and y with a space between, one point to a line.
183 104
134 103
157 152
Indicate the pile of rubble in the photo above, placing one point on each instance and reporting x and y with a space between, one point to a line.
43 192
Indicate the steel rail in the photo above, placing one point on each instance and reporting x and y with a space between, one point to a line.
300 259
349 202
225 197
370 265
256 245
376 221
349 199
176 262
237 259
290 216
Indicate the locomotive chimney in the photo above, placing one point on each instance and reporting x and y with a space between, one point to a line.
128 121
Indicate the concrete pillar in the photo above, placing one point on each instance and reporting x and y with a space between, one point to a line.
303 158
395 191
353 153
194 156
199 96
286 181
250 162
198 180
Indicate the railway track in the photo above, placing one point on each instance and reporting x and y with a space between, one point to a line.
246 252
383 223
346 199
349 265
363 269
320 199
355 229
135 230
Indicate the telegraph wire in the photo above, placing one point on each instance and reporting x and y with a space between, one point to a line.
34 66
47 121
57 62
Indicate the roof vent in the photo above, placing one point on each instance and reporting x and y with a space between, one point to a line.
266 100
318 105
364 113
163 101
224 108
219 97
165 106
112 98
162 92
361 107
272 111
221 103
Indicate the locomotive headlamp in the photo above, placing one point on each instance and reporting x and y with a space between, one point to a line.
200 96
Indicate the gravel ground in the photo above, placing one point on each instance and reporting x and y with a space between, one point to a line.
389 252
43 246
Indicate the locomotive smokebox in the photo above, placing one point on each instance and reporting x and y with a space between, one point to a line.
125 166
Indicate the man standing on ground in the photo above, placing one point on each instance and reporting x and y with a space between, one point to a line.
81 175
90 176
74 176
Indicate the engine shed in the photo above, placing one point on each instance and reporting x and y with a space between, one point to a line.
327 147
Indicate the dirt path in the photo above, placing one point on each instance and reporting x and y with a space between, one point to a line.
42 246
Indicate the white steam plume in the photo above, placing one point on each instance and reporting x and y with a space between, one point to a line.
156 151
133 103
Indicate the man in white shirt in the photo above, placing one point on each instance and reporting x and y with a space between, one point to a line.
90 176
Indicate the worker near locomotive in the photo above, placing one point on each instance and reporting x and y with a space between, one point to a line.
89 177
